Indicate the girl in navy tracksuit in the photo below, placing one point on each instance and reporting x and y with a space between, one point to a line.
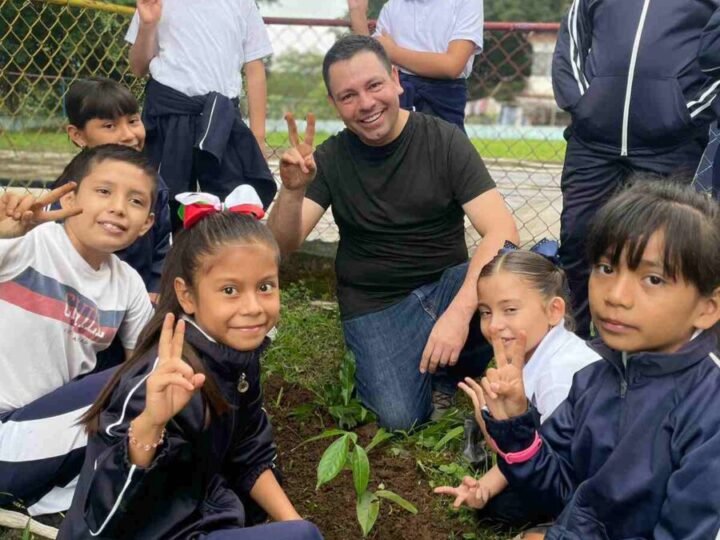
633 451
181 447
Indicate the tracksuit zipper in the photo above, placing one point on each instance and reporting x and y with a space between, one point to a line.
623 376
631 76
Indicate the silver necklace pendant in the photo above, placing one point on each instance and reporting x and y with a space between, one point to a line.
242 385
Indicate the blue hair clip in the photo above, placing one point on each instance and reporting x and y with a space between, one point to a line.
545 247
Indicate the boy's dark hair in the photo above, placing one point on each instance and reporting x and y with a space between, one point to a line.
97 97
347 47
184 261
689 220
81 165
540 273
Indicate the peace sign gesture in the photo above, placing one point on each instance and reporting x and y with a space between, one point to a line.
20 213
173 382
297 164
503 386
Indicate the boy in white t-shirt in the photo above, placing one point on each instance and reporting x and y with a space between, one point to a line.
434 43
194 53
63 298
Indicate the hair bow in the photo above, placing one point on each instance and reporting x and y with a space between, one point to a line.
545 247
195 206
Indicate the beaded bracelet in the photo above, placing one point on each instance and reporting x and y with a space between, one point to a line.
145 447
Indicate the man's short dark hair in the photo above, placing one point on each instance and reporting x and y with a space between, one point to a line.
97 97
347 47
83 163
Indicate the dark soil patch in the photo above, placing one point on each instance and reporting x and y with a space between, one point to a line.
332 507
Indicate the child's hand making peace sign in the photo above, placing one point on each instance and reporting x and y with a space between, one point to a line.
169 388
503 387
297 164
21 213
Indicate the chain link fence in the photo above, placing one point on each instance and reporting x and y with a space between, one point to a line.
511 117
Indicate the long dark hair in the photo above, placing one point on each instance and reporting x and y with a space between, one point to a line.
541 274
184 261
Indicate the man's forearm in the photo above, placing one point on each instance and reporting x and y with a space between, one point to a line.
257 98
143 50
285 219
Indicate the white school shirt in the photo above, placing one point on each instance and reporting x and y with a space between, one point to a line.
203 44
57 313
430 25
548 374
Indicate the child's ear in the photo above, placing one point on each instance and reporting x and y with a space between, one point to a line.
76 136
148 224
69 200
709 311
555 310
184 296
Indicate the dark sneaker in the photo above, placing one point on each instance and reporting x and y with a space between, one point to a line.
15 516
442 403
475 450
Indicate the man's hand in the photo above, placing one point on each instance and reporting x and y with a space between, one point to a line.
297 164
503 386
149 11
21 213
446 341
471 492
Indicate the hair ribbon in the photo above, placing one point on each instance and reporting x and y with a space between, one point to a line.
545 247
195 206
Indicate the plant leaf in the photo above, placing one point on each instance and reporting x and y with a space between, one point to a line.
397 499
449 436
380 437
367 507
360 469
323 435
333 460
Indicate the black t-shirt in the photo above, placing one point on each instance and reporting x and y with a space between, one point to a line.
398 209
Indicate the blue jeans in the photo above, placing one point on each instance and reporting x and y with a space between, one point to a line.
388 345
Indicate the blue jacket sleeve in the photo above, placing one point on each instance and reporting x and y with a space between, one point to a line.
549 472
691 510
117 488
709 48
568 66
161 236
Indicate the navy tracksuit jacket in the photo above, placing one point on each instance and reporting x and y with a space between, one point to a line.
629 74
202 139
634 451
201 476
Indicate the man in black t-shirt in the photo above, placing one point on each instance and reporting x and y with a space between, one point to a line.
400 185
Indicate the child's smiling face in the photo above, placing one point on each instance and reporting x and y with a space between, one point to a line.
508 304
644 309
236 297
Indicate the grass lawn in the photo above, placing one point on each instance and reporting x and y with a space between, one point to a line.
514 149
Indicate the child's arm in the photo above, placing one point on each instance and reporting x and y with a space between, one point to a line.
358 17
271 497
571 50
21 213
145 46
447 65
257 98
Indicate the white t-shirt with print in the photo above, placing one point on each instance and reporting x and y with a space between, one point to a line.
203 44
430 25
57 312
548 375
